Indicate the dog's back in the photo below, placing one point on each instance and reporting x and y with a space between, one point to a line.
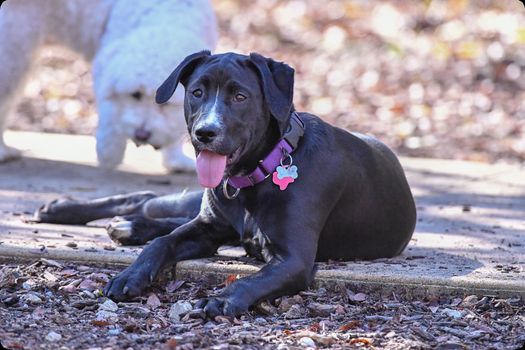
373 213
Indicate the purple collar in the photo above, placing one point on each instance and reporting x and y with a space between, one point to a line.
267 166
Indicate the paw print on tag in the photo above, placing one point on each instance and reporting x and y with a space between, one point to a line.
289 171
284 175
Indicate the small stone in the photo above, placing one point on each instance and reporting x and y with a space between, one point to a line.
322 310
71 245
136 311
88 294
286 303
28 285
307 342
390 334
451 313
53 336
359 297
31 299
260 321
114 331
283 347
178 309
469 301
88 284
295 311
108 305
103 315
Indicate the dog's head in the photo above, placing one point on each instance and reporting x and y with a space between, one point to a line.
236 108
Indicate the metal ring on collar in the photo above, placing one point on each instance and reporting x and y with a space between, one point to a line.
225 190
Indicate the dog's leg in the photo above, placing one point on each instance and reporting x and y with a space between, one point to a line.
289 270
138 230
277 278
80 212
111 140
175 160
160 216
196 239
20 40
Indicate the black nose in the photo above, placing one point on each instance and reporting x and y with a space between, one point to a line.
142 135
206 133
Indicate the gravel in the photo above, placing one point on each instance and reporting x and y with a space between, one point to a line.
337 318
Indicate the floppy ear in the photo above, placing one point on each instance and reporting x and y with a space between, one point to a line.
166 90
277 82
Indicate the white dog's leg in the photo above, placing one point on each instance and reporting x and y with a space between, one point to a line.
20 32
175 160
111 141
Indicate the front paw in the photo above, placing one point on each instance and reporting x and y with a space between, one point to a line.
129 284
223 305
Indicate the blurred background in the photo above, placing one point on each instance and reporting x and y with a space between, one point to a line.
442 79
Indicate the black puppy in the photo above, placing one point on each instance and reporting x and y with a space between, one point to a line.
297 188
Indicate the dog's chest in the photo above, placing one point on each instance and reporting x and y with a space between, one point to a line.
254 241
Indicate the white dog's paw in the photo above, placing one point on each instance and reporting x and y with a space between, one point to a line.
176 161
8 153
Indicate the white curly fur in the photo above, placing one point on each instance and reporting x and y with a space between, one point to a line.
133 44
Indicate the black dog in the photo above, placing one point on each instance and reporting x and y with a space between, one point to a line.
330 194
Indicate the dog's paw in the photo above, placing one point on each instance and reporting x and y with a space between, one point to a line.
8 153
57 211
123 231
222 306
129 284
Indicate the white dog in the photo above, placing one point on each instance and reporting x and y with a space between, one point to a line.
133 44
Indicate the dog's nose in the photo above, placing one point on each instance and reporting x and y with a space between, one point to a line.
206 133
142 135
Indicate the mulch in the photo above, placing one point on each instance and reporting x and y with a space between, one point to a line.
56 305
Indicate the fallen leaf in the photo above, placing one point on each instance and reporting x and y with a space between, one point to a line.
174 285
364 341
100 323
172 343
230 279
315 327
50 277
350 325
358 297
50 262
153 301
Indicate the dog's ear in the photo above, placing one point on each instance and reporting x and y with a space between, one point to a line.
166 90
277 82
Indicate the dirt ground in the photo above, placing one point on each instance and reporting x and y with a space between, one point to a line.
54 305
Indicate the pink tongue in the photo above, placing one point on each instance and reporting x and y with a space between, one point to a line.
210 168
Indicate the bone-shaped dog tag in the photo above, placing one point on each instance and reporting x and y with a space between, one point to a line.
284 175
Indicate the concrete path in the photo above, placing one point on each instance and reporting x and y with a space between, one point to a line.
470 235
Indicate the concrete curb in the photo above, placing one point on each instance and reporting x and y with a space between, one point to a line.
216 272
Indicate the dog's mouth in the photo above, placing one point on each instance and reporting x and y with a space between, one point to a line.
211 166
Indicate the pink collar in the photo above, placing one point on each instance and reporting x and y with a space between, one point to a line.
268 165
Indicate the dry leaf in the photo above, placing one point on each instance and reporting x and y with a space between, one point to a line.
174 285
171 343
153 301
364 341
230 279
100 323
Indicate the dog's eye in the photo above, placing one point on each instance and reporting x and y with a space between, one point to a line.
197 93
239 98
137 95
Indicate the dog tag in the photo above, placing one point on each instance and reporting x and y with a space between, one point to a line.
284 175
